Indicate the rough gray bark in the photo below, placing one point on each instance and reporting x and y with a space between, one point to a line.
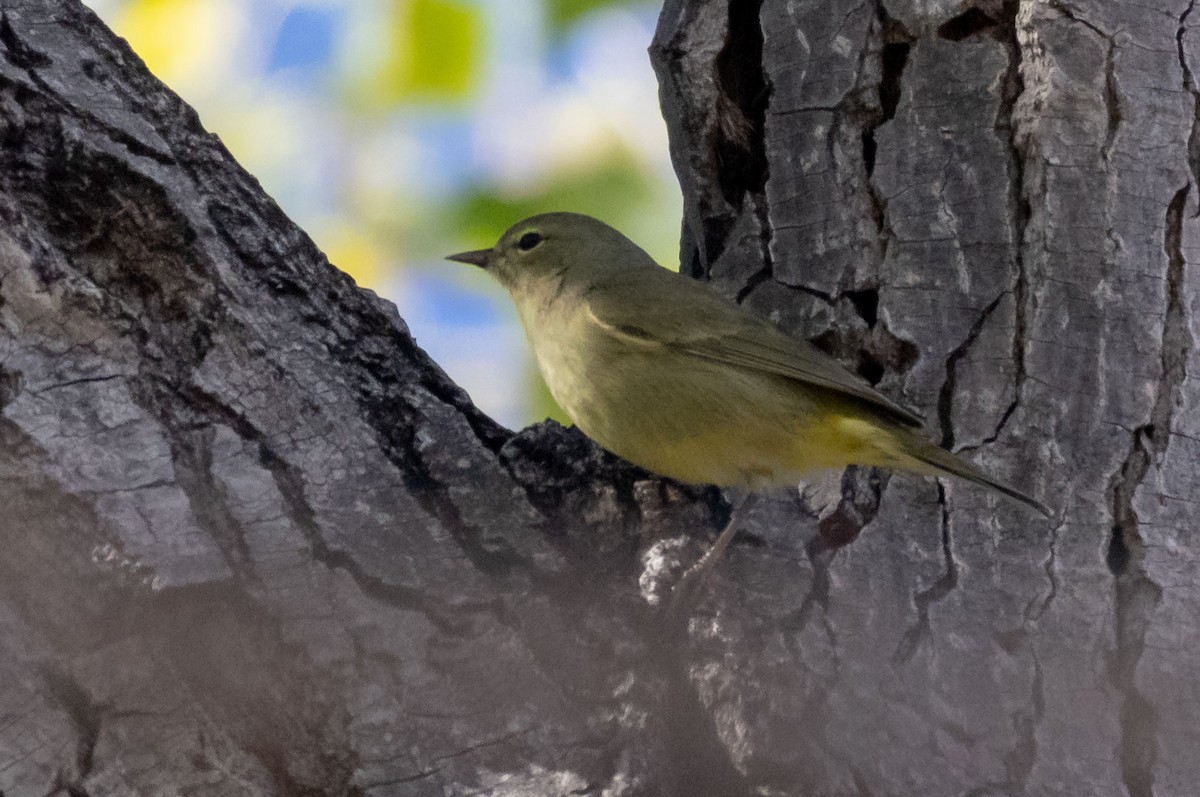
254 542
988 206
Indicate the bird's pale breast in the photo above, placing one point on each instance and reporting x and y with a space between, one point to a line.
676 414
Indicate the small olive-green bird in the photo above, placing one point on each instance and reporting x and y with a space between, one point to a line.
663 371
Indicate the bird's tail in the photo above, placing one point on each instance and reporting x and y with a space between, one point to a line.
916 453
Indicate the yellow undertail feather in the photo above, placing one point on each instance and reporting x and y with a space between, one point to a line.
900 448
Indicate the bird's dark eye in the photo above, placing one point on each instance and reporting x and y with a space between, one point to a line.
528 241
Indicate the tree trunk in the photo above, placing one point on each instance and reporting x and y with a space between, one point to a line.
988 207
252 541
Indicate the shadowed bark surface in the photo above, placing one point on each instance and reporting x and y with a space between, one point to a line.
252 541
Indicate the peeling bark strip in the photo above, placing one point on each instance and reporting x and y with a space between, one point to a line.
255 543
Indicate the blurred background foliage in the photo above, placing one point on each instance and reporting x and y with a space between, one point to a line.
397 131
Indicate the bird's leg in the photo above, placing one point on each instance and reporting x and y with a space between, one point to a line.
695 576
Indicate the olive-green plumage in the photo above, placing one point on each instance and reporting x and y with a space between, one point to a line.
663 371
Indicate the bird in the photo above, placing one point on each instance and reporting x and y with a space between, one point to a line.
670 375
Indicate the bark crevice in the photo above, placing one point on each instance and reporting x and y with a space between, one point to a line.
1189 85
945 405
1137 595
741 151
895 43
920 630
86 718
1020 210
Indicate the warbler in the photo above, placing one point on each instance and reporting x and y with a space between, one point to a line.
661 370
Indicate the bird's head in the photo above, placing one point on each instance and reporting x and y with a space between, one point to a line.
562 246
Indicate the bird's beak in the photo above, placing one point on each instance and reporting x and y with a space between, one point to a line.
478 257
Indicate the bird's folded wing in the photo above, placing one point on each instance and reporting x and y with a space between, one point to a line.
801 361
714 329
